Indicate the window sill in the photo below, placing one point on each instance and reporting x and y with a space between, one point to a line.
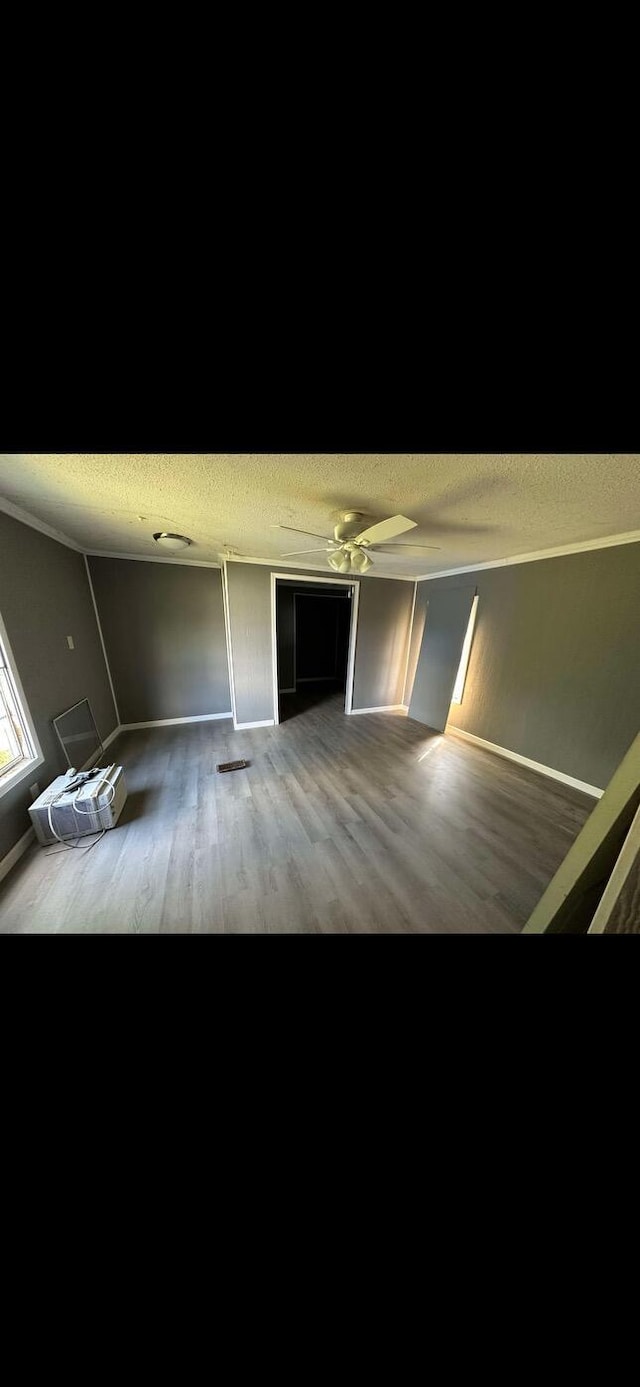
15 777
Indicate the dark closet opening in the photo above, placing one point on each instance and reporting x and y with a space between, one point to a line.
313 625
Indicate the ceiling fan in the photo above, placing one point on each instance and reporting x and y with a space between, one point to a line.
349 550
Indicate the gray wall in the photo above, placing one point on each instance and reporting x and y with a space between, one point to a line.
249 588
45 597
163 628
383 633
555 663
440 655
417 632
383 628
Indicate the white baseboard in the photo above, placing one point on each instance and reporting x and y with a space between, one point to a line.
531 765
173 722
246 726
16 853
111 738
27 838
390 708
97 755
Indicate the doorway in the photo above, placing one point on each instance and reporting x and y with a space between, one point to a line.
314 631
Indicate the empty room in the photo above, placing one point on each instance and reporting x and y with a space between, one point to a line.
338 693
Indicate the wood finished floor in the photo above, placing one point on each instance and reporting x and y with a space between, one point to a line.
340 825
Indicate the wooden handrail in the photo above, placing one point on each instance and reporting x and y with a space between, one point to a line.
573 896
619 909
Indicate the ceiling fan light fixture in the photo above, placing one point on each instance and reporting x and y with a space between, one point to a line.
360 561
340 562
169 541
349 560
351 543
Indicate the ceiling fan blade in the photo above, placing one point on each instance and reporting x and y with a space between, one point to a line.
293 553
387 529
312 534
400 548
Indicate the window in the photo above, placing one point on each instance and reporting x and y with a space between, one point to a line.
458 691
19 749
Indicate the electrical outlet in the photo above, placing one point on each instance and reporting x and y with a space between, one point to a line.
34 790
70 642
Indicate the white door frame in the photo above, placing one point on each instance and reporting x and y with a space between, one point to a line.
319 580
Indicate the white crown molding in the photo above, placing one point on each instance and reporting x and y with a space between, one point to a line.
315 568
592 790
607 542
584 546
26 518
151 558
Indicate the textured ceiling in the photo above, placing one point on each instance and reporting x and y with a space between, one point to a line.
475 506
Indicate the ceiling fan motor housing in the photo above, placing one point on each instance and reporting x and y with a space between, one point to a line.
349 526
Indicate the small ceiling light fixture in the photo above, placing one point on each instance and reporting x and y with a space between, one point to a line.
340 562
360 561
169 541
350 558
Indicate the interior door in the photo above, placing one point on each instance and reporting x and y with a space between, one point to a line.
440 654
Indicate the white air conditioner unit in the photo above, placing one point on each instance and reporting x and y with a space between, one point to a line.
96 805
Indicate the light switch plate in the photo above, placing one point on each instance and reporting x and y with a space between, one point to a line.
70 642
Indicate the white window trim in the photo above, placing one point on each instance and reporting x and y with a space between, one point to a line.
15 777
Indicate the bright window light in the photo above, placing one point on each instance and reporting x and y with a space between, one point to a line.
458 691
19 748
